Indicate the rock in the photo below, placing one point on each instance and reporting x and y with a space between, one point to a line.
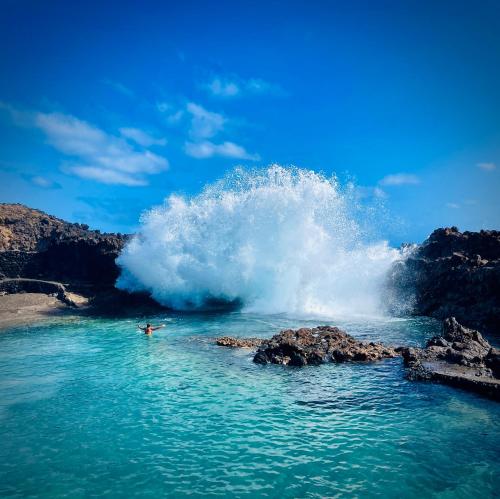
493 361
35 245
461 357
228 341
40 253
452 273
319 345
50 288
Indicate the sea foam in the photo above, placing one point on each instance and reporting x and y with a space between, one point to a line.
275 240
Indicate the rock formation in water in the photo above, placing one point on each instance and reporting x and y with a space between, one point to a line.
312 346
453 274
460 357
39 251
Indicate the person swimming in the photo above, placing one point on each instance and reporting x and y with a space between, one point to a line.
149 328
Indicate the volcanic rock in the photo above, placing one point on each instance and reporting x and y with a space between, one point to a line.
452 273
460 357
318 345
40 253
35 245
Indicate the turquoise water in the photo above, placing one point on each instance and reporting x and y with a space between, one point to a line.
93 408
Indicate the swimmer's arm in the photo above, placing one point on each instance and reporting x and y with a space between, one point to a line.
158 327
141 328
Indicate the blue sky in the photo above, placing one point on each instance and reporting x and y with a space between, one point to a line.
108 107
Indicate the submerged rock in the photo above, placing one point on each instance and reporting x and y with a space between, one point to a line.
229 341
460 357
319 345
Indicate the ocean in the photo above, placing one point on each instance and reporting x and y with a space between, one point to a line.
94 408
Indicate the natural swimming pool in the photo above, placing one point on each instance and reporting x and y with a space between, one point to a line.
91 407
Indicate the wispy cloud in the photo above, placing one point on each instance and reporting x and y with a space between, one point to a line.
233 86
487 167
172 115
141 137
43 182
92 153
400 179
223 88
204 124
207 149
119 87
106 176
259 86
453 206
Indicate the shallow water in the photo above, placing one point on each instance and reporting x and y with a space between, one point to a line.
93 408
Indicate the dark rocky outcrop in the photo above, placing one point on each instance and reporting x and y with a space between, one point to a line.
460 357
452 274
35 245
319 345
39 251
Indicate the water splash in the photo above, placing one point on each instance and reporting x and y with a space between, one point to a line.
275 240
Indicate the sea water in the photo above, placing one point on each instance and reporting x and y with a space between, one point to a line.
94 408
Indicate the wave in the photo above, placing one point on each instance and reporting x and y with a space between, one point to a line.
273 240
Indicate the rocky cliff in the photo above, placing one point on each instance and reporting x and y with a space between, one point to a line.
452 273
39 251
39 246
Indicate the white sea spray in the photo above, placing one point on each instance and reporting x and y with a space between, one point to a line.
276 240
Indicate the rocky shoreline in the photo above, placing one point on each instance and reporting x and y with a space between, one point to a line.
43 255
53 266
460 357
452 273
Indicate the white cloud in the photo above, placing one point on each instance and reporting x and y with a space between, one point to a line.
204 124
173 117
259 86
453 206
487 167
223 88
142 138
94 153
119 87
400 179
106 176
42 182
207 149
233 86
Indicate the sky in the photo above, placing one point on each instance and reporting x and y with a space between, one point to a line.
106 108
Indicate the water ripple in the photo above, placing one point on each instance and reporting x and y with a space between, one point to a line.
93 408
